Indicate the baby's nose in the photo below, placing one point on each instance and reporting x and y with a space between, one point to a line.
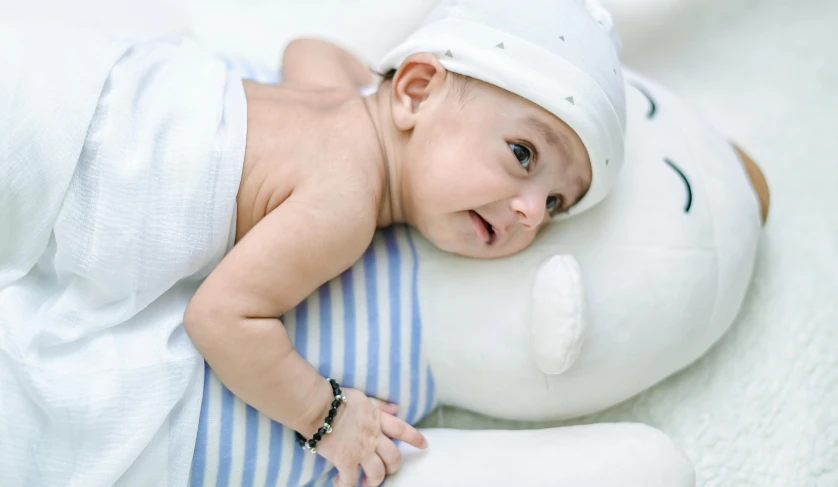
529 210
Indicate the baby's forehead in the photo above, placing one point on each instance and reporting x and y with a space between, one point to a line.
524 114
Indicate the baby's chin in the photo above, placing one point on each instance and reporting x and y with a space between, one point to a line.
450 243
471 248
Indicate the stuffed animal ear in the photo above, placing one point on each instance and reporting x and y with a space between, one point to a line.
557 314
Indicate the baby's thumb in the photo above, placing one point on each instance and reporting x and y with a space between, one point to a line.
387 407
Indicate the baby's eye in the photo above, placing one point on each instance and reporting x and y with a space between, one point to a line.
522 153
553 204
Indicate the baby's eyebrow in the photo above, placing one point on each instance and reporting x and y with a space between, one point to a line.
546 133
582 189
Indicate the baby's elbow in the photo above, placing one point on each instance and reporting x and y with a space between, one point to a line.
295 50
299 54
196 322
209 322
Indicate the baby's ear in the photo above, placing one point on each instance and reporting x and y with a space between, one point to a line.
418 78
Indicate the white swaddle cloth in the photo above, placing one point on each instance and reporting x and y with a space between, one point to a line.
562 55
119 169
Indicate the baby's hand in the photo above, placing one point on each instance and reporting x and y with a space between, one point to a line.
362 438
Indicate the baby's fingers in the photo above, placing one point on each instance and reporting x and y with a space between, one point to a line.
389 454
374 471
348 477
397 429
387 407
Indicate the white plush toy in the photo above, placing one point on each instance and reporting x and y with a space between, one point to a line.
601 307
665 262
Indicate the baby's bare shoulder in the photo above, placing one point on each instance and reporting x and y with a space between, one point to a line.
316 150
344 182
344 189
347 165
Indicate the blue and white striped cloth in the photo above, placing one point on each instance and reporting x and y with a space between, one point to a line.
363 328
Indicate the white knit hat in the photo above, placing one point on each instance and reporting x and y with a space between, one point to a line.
562 55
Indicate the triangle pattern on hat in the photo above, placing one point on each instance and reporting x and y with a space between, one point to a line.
561 37
500 46
448 54
570 99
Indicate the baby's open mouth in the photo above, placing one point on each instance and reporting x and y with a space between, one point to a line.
484 228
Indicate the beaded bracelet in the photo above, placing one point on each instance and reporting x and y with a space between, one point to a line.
327 426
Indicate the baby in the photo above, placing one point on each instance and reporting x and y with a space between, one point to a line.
150 178
474 167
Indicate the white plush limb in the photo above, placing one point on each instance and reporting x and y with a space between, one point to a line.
597 455
557 314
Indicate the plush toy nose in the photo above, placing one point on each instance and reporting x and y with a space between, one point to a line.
557 314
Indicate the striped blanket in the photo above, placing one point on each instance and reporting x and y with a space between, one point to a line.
364 329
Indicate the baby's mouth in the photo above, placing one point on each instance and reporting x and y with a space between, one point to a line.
484 228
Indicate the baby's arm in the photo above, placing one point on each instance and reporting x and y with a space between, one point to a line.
320 63
232 320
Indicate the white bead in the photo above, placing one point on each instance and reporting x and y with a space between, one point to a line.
328 428
343 398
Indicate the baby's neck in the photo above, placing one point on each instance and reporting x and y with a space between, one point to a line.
392 208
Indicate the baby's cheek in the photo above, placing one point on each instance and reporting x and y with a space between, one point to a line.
520 242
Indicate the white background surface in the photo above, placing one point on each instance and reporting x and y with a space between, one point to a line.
762 407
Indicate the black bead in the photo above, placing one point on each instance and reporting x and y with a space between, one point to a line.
329 420
322 431
336 403
338 391
312 443
317 436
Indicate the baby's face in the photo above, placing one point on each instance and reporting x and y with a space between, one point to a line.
483 175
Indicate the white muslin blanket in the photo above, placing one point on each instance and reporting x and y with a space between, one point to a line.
119 168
